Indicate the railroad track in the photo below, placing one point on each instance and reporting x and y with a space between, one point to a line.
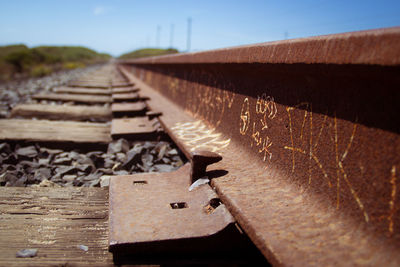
293 145
62 139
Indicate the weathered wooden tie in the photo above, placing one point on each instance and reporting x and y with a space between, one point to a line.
62 112
133 127
56 221
84 91
54 131
77 98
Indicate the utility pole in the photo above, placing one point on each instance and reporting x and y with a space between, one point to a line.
158 36
189 33
171 36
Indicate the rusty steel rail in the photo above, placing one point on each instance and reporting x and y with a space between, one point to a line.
308 131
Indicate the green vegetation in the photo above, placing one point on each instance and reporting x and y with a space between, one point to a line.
6 68
40 70
19 60
148 52
73 65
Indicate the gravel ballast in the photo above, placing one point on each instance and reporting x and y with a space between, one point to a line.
36 165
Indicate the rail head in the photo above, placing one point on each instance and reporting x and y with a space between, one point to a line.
372 47
309 134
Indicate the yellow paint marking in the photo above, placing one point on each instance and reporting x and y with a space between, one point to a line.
288 109
320 131
393 199
311 151
354 193
350 143
337 163
244 117
302 125
316 161
267 143
344 155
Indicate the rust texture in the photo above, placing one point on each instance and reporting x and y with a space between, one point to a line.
146 208
309 134
138 107
155 216
346 48
124 90
125 97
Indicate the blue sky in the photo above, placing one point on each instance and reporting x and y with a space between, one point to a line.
120 26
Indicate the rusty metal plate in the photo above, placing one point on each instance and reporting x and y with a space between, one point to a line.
158 206
312 168
137 107
125 97
133 127
155 216
121 84
124 90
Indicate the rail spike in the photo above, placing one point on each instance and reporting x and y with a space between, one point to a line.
200 159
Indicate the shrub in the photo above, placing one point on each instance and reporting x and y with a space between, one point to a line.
148 52
73 65
40 70
42 60
21 60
